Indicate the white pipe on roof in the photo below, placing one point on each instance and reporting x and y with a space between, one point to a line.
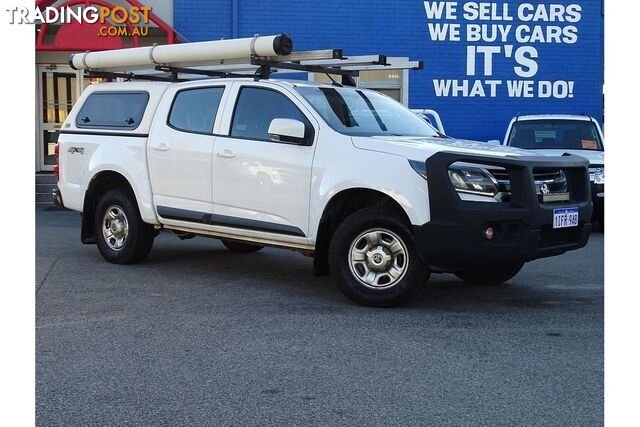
140 57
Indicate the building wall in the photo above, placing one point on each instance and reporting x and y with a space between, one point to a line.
400 28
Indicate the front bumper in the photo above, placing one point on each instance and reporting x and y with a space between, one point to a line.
453 240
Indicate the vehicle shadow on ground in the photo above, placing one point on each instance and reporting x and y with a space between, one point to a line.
285 271
519 292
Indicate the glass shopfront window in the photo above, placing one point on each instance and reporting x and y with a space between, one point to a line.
58 93
384 81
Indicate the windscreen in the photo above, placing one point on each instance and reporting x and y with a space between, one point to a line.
356 112
555 134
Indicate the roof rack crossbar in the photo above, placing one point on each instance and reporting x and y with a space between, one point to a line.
130 76
302 67
197 71
309 55
356 61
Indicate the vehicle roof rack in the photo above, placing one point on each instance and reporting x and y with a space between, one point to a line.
255 57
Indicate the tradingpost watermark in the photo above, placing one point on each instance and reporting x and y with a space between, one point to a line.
117 21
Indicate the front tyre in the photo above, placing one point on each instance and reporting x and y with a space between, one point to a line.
122 236
490 276
374 260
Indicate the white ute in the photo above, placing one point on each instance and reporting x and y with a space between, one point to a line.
561 135
349 176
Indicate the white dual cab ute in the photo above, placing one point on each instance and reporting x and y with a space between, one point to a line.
349 176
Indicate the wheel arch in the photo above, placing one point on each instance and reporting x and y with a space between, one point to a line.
340 206
99 184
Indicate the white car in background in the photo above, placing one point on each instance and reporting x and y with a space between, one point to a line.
558 135
432 117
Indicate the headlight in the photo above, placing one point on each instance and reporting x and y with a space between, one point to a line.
598 176
472 180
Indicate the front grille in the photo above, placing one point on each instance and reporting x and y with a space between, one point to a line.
551 184
549 175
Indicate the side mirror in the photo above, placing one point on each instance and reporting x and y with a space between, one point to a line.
288 131
494 142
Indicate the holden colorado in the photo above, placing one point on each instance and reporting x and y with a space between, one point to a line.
348 176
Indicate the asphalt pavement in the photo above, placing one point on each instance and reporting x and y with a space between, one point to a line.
197 335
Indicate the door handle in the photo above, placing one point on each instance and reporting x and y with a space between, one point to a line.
161 147
227 154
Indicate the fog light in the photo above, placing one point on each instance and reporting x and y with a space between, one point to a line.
488 233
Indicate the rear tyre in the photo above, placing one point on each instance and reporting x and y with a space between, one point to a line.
122 236
490 276
374 260
241 248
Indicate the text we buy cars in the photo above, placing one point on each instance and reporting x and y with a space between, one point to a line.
136 18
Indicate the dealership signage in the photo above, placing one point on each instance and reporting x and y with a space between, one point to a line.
504 43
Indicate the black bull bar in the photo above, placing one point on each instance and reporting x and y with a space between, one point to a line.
454 239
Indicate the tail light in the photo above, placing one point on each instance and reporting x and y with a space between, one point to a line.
56 168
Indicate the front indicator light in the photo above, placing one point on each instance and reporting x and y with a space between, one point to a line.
489 233
598 176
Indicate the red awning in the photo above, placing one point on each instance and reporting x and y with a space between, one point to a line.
76 36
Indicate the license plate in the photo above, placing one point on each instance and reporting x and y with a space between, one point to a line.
563 218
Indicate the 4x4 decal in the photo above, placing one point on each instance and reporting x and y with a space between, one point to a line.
73 150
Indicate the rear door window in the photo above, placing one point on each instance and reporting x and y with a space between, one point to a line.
194 110
113 110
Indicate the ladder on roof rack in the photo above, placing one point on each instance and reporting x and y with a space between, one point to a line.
228 58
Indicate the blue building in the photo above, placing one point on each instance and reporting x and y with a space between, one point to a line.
484 62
